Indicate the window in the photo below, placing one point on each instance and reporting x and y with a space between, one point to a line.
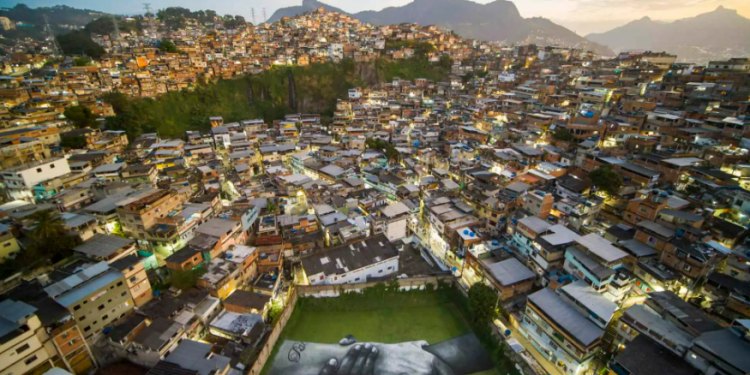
105 317
101 307
30 360
652 241
78 307
51 166
119 284
82 318
7 244
22 348
39 170
88 328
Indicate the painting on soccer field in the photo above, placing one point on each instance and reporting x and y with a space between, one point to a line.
462 355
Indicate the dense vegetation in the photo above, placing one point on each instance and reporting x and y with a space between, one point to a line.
33 20
175 17
606 179
79 43
49 243
316 89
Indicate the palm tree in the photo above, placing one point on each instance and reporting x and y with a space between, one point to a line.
49 226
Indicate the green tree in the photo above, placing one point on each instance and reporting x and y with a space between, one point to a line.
482 302
50 239
81 116
79 43
606 179
562 134
47 225
184 280
168 46
274 312
445 61
73 142
82 61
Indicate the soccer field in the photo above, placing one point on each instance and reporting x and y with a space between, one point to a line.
388 325
423 317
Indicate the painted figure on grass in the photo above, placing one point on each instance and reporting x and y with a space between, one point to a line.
461 355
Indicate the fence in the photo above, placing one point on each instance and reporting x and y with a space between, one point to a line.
326 291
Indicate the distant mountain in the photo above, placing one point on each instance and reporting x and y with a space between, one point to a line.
307 5
62 18
718 34
495 21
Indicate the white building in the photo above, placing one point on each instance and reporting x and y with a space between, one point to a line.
396 220
20 181
336 51
355 263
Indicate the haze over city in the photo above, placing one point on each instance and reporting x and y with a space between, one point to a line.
580 16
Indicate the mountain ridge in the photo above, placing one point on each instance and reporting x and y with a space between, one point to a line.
719 33
498 21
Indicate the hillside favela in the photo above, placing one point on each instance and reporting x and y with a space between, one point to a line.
401 187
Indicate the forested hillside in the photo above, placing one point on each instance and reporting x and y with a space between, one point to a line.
266 95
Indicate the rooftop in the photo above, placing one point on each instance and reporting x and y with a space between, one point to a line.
345 258
509 272
103 245
566 317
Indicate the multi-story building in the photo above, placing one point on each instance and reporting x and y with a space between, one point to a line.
139 212
22 349
372 258
97 296
22 182
134 272
560 332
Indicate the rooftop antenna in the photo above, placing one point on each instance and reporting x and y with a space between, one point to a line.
56 50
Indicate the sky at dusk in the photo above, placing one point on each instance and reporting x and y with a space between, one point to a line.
581 16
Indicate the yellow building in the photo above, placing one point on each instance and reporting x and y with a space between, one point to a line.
8 242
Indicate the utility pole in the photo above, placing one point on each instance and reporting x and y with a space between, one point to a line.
56 50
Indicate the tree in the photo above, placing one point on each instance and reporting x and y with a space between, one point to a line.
606 179
562 134
50 240
73 142
81 116
79 43
184 280
482 302
168 46
274 312
445 61
82 61
48 225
